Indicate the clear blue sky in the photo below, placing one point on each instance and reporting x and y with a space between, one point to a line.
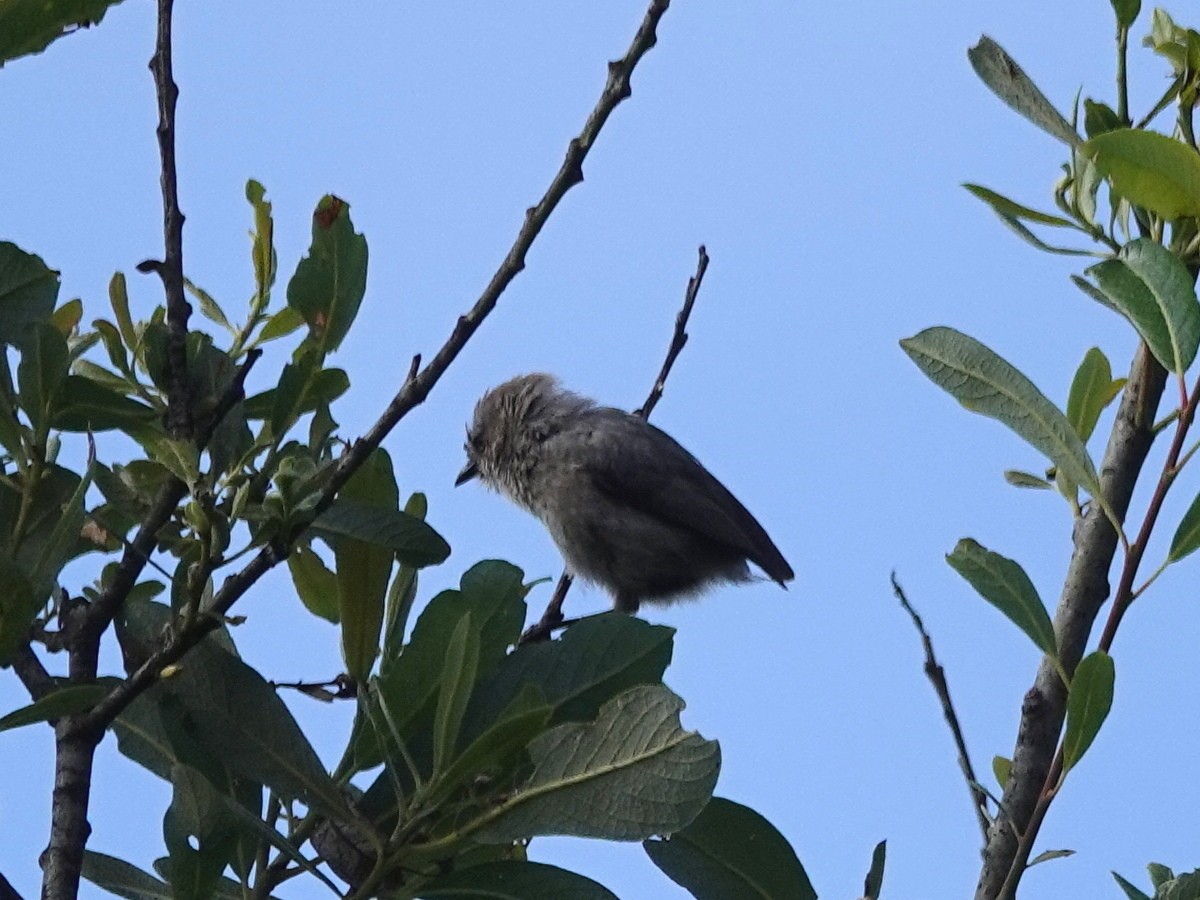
817 150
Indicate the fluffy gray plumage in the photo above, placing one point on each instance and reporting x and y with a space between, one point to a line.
629 508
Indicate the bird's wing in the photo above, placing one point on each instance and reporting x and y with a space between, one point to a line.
641 466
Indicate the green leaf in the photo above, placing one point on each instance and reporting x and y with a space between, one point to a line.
210 308
325 386
1088 702
86 405
1149 170
1020 479
364 568
18 605
494 749
281 324
984 383
458 678
403 592
513 880
41 373
66 520
1098 118
1127 11
413 541
118 298
330 281
1006 208
238 715
874 881
1047 855
1131 892
29 26
1007 81
1001 769
67 316
1092 389
1029 237
1004 584
123 879
58 703
262 249
316 586
729 851
596 659
1187 535
28 287
1151 287
631 774
1160 875
491 592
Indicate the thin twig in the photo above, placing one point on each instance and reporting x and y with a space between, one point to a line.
937 677
552 618
179 400
679 338
415 390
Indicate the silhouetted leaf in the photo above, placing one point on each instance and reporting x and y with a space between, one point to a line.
123 879
28 287
410 538
29 26
85 405
1127 11
729 850
60 702
41 373
1131 892
315 584
513 880
873 885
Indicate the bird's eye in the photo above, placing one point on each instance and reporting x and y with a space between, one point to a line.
474 442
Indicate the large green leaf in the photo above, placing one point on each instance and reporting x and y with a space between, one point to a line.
28 287
458 679
1088 704
60 702
410 538
631 774
984 383
237 714
1000 72
364 568
86 405
40 376
29 26
729 851
492 593
1149 170
330 281
123 879
1150 286
1003 583
595 659
514 880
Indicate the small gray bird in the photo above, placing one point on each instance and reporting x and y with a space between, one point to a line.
629 508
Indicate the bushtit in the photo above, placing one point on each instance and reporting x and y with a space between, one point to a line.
629 508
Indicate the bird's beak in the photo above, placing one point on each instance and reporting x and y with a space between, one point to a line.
470 470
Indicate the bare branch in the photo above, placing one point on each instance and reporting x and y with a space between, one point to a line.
552 618
1084 591
414 390
937 676
31 672
179 400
